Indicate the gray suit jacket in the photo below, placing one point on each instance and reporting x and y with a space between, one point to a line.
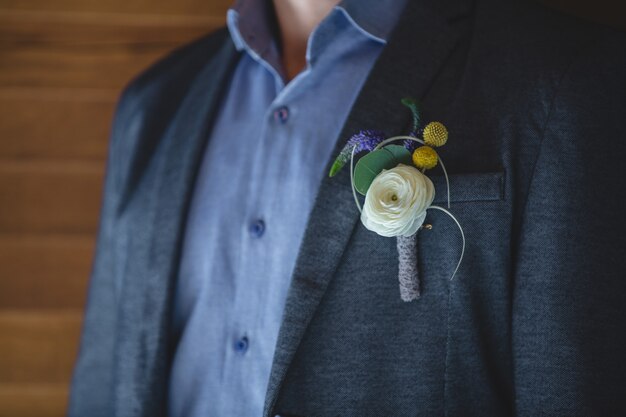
532 325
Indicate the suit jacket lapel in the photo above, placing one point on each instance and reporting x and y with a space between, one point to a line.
157 223
415 52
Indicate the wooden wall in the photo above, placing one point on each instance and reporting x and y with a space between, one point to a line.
62 65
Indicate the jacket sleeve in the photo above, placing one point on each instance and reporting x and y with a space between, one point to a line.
569 299
92 379
144 109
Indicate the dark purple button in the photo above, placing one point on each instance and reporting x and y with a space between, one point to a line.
281 114
257 228
241 345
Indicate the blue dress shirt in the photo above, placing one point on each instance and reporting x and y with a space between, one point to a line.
256 186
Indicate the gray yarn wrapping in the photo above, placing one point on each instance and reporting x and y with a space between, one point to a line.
408 274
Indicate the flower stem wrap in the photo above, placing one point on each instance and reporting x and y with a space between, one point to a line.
408 274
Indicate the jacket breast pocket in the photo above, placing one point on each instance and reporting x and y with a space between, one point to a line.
480 207
466 188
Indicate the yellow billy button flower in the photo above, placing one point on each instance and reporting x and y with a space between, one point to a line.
435 134
425 157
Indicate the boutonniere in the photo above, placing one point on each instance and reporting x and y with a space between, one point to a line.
397 191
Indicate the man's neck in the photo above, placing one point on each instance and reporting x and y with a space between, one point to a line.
296 20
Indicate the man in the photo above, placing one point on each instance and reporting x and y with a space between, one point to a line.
233 278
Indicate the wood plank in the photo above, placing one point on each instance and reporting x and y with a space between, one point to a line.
82 53
43 197
61 125
27 28
33 400
41 272
192 7
38 347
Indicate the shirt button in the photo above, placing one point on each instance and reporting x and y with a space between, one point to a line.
281 114
241 345
257 228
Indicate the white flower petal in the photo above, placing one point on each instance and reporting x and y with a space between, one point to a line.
396 201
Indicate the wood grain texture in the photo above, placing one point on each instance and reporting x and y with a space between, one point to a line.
55 124
74 52
38 346
139 7
33 400
44 272
44 197
62 66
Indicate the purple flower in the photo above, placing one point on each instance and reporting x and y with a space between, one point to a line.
364 140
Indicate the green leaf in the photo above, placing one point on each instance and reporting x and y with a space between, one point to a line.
400 153
337 165
372 164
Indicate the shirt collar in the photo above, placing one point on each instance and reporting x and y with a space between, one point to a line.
251 22
375 18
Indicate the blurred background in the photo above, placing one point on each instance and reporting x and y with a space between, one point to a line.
62 66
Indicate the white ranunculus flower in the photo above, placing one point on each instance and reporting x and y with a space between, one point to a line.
396 201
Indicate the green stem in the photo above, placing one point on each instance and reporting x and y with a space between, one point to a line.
413 106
